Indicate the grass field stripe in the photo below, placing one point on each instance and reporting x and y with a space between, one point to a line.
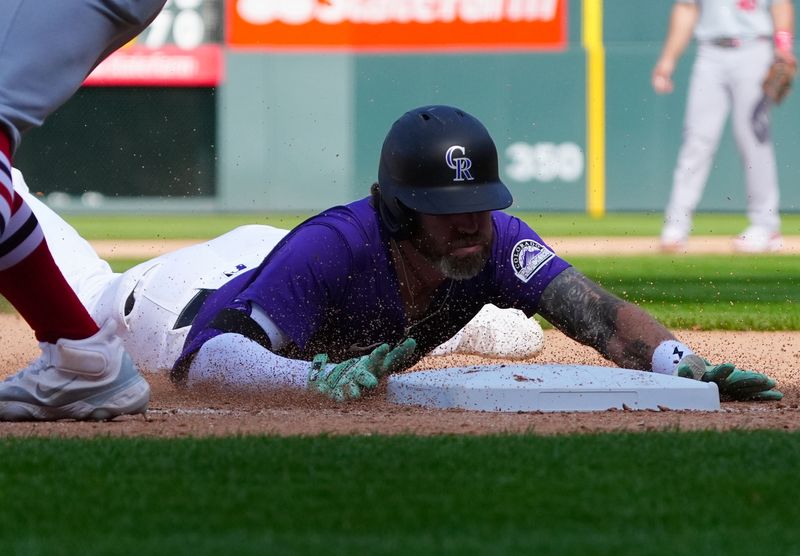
440 495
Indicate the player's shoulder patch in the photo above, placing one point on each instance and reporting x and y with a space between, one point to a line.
528 257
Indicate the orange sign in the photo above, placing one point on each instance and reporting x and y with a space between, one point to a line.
397 24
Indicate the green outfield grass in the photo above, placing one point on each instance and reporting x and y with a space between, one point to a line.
706 292
655 494
205 226
690 292
640 224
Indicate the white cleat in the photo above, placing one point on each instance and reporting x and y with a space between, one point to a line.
673 246
758 240
673 241
89 379
497 333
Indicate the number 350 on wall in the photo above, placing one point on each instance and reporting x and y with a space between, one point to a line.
544 161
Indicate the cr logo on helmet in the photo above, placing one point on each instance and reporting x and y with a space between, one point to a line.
461 164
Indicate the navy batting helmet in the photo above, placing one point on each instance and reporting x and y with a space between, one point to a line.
438 160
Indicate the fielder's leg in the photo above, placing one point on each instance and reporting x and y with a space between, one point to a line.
47 48
707 108
84 372
757 153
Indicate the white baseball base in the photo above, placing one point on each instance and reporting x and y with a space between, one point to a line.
550 388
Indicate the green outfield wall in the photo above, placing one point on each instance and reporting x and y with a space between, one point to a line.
298 131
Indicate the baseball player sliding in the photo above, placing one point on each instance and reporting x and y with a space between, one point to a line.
366 289
153 303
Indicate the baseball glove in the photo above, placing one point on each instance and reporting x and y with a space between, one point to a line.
779 79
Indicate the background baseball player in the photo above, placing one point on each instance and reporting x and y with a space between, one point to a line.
153 303
737 42
408 267
47 48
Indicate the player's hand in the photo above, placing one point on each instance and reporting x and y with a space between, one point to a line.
786 55
385 360
340 382
662 77
733 383
345 380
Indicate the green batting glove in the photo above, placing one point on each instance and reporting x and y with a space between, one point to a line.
345 380
385 360
733 383
340 382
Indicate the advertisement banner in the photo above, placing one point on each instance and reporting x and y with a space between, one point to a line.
180 48
403 25
168 66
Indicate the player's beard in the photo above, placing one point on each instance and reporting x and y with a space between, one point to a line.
452 266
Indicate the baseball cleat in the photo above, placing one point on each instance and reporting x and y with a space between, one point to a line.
90 379
673 246
673 241
758 240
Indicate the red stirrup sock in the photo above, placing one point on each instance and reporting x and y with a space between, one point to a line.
5 144
6 185
38 291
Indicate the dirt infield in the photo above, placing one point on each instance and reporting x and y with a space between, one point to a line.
175 413
564 246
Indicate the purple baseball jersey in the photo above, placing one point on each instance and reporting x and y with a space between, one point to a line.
330 285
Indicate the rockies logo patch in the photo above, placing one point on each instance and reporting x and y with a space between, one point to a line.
527 257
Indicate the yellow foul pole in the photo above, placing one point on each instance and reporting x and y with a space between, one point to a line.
595 107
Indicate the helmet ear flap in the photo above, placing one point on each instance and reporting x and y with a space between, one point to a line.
397 219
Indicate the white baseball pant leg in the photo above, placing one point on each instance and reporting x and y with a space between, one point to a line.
147 300
85 271
707 105
758 158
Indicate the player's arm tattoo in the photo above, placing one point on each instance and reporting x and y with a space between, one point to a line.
580 309
587 313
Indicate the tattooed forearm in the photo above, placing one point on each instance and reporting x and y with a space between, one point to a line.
581 309
586 312
636 354
637 336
